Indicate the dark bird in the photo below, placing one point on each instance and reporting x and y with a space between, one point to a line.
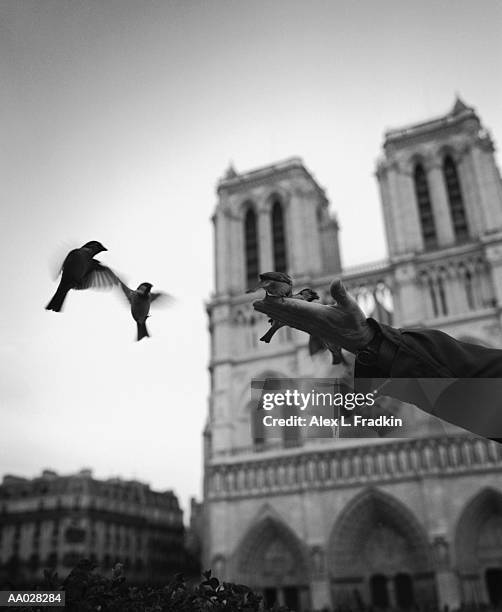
316 345
276 284
307 294
140 301
81 271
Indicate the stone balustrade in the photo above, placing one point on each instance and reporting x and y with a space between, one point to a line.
342 466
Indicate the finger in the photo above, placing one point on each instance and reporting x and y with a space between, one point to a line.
305 316
339 293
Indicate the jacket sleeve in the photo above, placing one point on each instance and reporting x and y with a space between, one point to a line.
458 382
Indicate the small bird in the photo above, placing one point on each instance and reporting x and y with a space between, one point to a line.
140 301
81 271
307 294
276 284
316 345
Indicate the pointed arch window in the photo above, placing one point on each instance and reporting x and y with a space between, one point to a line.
425 213
279 237
251 248
457 209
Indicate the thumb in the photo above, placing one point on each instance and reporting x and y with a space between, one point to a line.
339 293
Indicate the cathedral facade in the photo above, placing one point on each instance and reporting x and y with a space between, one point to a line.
389 522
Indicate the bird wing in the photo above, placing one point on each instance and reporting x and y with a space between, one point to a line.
58 256
276 276
128 293
99 277
160 298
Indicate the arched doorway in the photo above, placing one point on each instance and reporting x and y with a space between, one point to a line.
271 560
478 545
379 550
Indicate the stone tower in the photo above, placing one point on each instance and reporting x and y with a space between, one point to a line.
313 523
442 205
274 218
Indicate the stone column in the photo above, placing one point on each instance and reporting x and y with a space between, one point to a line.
311 237
266 254
236 265
494 257
410 227
476 220
396 212
388 213
319 583
446 580
440 205
408 305
488 182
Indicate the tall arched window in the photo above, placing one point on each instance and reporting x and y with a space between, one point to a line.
279 238
424 207
251 248
457 209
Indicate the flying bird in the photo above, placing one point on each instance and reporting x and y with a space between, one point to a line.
140 301
276 284
307 294
81 271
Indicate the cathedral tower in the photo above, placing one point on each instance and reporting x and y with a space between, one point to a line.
388 522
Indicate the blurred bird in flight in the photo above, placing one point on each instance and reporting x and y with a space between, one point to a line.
307 294
81 271
276 284
140 301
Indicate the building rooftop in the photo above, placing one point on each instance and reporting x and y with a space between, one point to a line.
233 178
33 485
459 112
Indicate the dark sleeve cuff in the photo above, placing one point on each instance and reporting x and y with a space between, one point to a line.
390 341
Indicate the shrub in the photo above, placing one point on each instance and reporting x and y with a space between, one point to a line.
88 591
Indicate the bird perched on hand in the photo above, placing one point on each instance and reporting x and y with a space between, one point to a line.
140 301
307 294
276 284
81 271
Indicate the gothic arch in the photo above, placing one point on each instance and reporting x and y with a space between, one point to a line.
273 194
482 512
270 553
244 206
447 149
369 520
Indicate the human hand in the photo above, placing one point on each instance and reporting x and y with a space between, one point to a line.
343 323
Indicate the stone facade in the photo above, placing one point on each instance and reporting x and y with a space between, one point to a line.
54 521
389 522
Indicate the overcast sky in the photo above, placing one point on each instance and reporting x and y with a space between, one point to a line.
117 119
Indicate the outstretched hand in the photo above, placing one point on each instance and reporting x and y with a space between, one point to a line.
343 323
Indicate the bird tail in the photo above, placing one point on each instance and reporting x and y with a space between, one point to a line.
58 298
142 330
270 333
